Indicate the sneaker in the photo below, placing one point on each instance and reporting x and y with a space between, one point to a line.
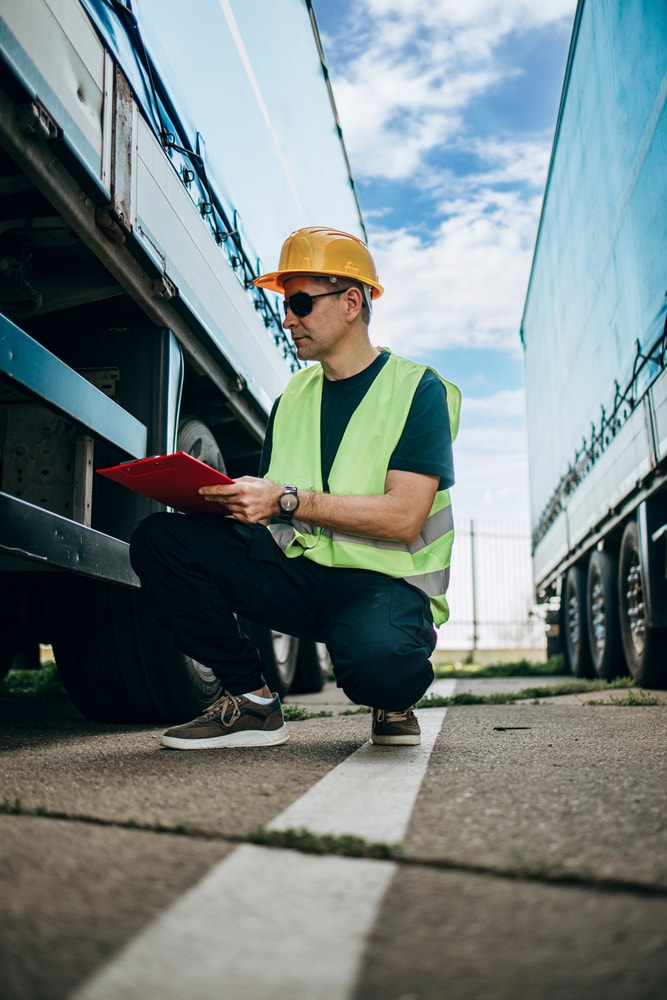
395 728
231 721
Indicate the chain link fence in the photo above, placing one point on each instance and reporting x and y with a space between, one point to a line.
491 593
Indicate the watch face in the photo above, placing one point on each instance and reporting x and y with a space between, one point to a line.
289 502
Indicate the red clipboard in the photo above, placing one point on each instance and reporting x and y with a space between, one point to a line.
170 479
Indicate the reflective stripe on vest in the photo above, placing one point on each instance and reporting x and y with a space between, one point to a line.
360 467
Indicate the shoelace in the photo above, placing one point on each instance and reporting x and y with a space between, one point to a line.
383 715
220 708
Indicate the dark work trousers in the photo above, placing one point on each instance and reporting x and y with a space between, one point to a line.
197 570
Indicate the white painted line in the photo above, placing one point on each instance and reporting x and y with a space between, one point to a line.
444 688
269 924
263 925
370 794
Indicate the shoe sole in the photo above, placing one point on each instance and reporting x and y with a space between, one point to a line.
245 738
397 741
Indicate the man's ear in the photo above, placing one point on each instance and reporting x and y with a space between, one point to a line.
355 300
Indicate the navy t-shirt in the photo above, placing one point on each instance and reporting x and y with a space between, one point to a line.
425 445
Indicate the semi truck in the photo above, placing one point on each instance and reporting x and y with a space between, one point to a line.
153 157
594 335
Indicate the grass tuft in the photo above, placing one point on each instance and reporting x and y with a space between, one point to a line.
530 693
522 668
42 683
297 713
314 843
635 698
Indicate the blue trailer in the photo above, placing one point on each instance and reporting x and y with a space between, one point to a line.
594 335
153 156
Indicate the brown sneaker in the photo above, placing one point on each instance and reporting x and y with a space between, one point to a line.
395 728
231 721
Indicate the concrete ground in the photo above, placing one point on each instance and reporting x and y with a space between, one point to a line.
534 863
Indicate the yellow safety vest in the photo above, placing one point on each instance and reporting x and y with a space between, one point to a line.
360 468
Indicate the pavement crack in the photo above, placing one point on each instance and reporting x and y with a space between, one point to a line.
308 842
543 875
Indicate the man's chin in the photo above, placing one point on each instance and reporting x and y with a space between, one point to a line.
301 348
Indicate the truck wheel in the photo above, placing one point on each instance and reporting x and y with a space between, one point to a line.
645 648
312 668
117 664
197 440
96 648
602 605
574 623
20 622
278 651
180 686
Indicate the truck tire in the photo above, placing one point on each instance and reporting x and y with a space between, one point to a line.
312 668
575 638
10 646
602 607
644 648
20 621
195 438
97 652
180 687
278 651
117 664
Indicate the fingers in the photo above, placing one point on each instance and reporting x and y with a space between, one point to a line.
248 499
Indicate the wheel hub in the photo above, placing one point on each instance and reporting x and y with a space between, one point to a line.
634 595
574 622
598 616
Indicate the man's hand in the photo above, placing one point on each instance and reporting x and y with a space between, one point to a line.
248 499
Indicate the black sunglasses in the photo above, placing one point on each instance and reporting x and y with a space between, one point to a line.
301 303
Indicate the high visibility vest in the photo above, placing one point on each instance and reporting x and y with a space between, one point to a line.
360 468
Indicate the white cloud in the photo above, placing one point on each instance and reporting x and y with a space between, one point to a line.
514 12
491 471
519 162
411 68
508 403
463 284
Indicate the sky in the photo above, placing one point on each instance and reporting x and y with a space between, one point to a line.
448 109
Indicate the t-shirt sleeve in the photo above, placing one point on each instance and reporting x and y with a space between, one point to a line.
425 445
265 458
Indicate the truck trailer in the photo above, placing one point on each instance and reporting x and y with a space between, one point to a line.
153 157
594 337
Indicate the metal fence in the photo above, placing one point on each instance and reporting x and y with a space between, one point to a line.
491 590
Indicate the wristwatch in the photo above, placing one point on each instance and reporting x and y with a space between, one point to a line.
288 503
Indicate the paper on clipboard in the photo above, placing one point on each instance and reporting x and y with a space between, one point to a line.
170 479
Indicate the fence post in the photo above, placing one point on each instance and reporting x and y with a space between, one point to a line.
473 575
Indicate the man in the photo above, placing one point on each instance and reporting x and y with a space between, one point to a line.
345 537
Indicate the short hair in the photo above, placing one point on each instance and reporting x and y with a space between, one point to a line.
327 280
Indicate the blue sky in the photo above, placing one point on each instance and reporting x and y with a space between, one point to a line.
448 109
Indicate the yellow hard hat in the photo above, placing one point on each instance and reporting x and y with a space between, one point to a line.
320 250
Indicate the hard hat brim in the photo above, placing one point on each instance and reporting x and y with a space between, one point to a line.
273 282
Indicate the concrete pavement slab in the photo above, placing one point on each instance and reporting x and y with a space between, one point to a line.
553 789
464 937
73 893
121 774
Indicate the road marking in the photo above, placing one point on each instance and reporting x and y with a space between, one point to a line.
443 688
262 925
370 794
269 924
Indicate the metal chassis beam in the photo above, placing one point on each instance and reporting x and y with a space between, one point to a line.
40 539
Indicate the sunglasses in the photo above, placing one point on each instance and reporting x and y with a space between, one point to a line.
301 303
